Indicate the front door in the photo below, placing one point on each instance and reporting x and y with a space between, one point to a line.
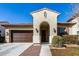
43 35
44 32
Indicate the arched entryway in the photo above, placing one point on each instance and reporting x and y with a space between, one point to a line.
44 32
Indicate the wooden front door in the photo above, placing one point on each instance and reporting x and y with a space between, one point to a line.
43 35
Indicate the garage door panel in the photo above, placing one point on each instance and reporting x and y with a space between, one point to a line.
22 40
22 36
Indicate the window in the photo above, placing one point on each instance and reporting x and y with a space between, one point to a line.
45 14
62 29
77 32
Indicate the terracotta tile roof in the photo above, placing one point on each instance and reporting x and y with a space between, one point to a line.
68 24
18 25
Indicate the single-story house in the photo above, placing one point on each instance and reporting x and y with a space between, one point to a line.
43 28
2 29
74 30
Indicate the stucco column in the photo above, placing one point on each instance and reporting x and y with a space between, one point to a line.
36 39
53 32
7 38
50 36
36 36
50 39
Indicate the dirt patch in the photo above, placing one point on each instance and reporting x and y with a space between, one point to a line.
32 51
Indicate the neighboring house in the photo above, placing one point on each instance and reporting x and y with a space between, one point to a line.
43 29
2 29
64 28
74 30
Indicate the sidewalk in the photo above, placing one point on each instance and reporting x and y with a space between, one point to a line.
45 50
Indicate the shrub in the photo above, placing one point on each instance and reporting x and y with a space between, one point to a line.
57 41
70 39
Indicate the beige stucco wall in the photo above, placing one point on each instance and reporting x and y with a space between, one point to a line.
7 37
38 18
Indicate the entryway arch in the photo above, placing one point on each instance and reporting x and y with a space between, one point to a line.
44 32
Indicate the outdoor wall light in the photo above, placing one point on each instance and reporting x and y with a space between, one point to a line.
7 33
36 30
54 30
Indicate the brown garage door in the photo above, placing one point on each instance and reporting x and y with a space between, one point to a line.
22 36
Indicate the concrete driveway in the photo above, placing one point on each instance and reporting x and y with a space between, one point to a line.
13 49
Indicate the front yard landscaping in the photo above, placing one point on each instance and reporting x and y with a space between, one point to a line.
68 51
65 46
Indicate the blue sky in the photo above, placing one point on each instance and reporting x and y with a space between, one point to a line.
20 12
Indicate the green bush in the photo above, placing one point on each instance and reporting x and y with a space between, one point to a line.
57 41
71 39
66 39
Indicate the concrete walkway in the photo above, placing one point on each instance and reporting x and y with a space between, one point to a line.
13 49
45 50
